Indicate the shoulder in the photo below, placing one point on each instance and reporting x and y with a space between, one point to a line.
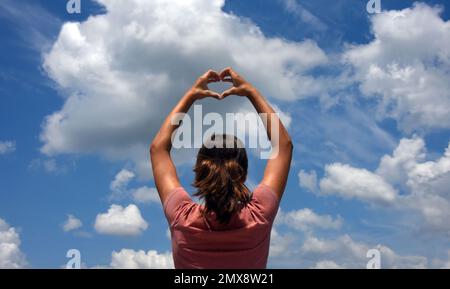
266 201
264 193
175 202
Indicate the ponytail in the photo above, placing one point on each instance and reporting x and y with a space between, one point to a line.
220 173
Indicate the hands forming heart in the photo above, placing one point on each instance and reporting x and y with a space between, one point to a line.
240 86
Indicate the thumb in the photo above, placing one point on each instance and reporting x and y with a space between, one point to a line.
233 90
212 94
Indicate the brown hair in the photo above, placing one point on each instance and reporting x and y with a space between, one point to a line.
220 173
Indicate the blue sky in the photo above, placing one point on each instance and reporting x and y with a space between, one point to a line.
354 87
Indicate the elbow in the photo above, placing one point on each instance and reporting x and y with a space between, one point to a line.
283 145
287 144
154 148
151 150
157 147
290 146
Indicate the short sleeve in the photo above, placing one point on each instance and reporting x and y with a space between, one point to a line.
267 201
176 200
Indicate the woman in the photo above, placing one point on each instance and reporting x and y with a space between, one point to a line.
232 228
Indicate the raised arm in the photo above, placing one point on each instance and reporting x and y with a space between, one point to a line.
164 171
277 167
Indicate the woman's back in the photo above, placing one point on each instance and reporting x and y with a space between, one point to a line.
200 241
232 228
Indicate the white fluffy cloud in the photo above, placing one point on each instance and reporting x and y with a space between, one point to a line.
405 157
72 223
344 252
425 181
404 181
307 250
349 182
306 219
120 189
327 264
122 71
121 180
7 147
131 259
280 245
121 221
11 257
406 66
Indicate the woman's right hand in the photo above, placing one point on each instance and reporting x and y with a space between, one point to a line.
200 89
240 86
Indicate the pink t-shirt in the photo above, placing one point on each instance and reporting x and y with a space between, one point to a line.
202 242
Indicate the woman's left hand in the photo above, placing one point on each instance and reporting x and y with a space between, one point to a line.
200 89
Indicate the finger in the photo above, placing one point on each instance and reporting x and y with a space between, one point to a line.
227 79
210 80
212 75
225 73
230 91
228 72
212 94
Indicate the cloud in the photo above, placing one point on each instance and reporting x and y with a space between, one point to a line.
72 223
122 71
349 182
404 182
121 180
304 14
347 134
131 259
405 67
11 257
146 195
327 264
306 219
7 147
119 186
442 264
51 165
345 252
33 24
315 245
308 180
425 182
121 221
307 250
120 189
280 245
405 157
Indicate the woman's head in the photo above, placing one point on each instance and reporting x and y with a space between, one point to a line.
220 173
